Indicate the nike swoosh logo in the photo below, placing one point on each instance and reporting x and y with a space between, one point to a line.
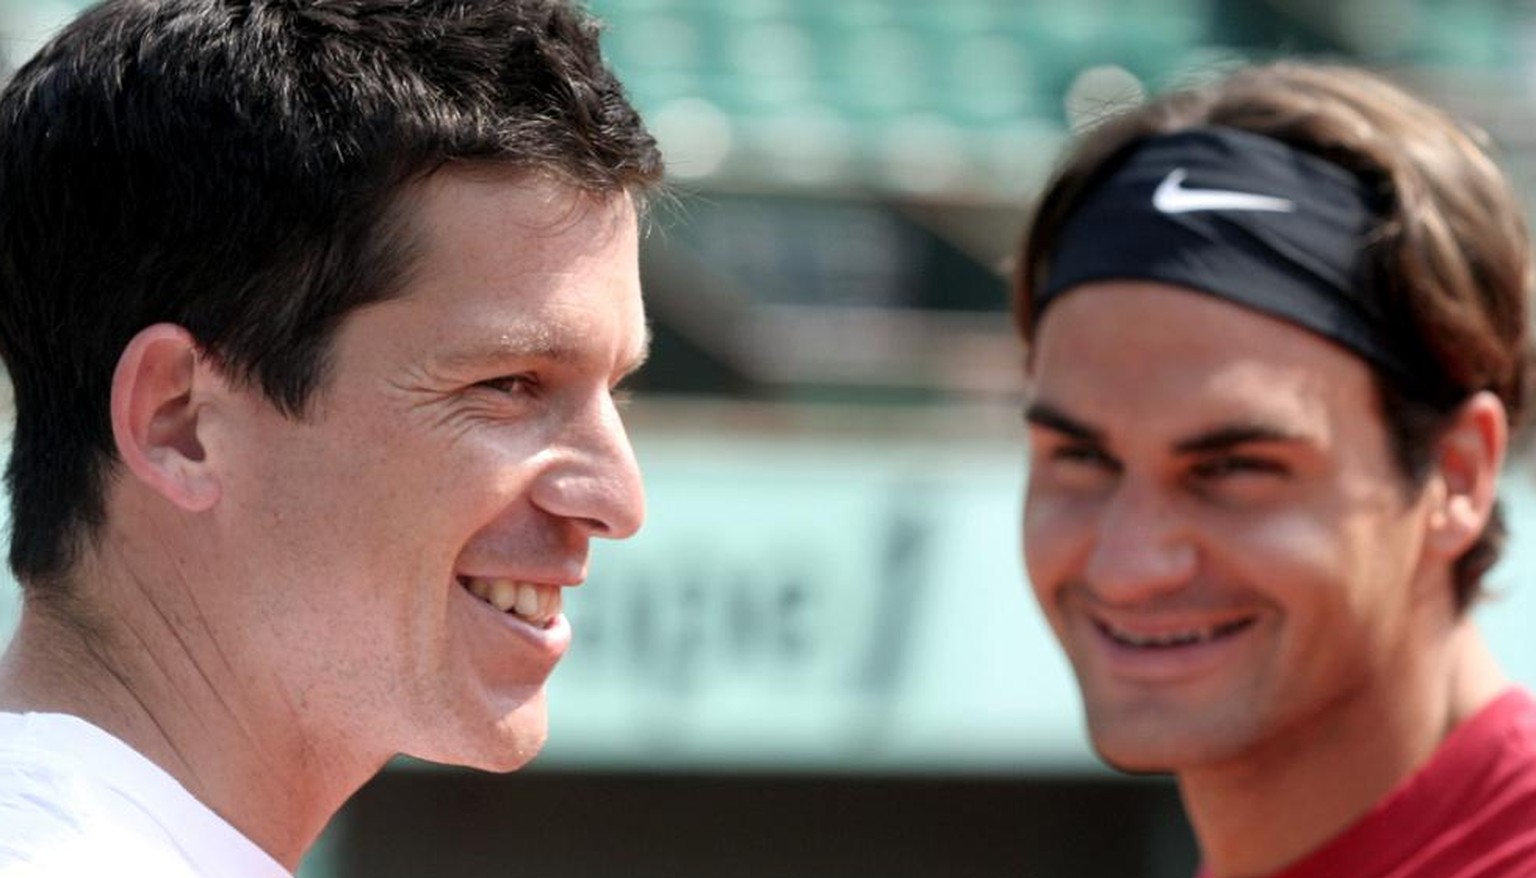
1172 197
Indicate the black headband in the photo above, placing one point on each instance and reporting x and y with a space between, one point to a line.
1250 220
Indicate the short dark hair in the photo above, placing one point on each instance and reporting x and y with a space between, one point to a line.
236 167
1451 244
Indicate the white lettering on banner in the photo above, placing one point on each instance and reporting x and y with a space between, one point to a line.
794 603
679 626
791 604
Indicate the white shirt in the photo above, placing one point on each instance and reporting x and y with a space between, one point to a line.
76 801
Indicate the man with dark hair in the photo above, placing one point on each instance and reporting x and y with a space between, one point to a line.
1278 333
315 311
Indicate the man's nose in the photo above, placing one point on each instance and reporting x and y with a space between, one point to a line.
595 479
1141 545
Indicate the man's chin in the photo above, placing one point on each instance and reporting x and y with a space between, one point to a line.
509 760
1167 751
498 745
503 754
1132 763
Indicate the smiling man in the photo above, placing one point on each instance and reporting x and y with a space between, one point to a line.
1278 332
315 312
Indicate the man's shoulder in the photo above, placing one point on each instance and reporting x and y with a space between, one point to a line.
52 823
1470 812
1520 705
1473 808
1499 744
45 769
41 849
43 786
58 819
77 800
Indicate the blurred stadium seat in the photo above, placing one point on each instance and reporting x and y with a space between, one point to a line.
828 293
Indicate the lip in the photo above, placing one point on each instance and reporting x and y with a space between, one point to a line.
549 643
1166 665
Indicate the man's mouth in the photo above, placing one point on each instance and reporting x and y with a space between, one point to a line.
538 605
1173 638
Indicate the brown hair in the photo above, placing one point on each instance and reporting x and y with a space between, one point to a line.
1451 244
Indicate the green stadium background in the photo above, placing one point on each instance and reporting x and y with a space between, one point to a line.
820 660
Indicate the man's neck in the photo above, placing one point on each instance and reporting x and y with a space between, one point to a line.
1273 806
166 690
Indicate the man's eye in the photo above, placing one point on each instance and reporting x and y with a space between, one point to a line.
1230 465
1083 458
1088 455
512 385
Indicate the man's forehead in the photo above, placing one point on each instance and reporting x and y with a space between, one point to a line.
1127 359
444 219
1128 327
508 248
1150 310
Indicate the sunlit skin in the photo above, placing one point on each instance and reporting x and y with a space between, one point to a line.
287 594
469 428
1199 468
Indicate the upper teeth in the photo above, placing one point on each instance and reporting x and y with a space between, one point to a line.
1174 638
539 604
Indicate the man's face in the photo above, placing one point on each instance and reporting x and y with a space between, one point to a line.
1214 525
462 452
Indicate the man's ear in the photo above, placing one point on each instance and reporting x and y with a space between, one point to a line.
1468 456
158 395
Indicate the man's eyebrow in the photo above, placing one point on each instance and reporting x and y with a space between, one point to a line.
1217 439
1045 415
554 345
512 344
1227 437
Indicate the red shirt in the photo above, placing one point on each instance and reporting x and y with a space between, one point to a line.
1470 812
